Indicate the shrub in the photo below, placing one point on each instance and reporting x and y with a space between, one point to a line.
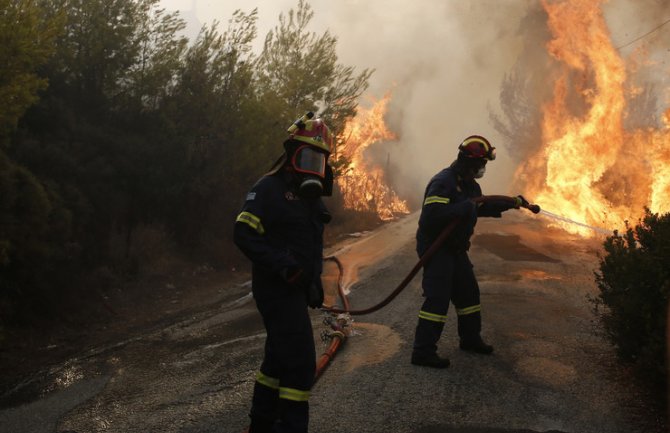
634 282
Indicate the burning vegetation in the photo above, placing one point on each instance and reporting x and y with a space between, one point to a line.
590 167
363 182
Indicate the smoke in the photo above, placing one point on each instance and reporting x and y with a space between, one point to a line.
455 68
444 63
641 33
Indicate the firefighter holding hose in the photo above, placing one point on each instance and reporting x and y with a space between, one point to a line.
448 275
280 229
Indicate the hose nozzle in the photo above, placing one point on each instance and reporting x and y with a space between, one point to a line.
533 208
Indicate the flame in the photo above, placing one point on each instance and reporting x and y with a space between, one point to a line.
590 169
363 183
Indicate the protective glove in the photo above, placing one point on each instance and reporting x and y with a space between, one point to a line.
520 201
296 277
315 295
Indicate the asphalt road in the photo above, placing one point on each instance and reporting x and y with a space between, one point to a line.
550 372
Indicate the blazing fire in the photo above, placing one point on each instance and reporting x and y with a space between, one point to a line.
363 183
590 169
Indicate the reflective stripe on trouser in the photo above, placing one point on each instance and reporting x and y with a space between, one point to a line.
469 322
287 372
448 277
432 316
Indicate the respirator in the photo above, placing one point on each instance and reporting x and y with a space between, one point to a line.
315 176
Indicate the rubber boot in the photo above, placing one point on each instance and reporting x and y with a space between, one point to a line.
261 425
476 345
469 328
430 360
426 337
264 409
293 418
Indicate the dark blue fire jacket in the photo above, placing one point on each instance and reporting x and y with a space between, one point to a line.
278 229
447 197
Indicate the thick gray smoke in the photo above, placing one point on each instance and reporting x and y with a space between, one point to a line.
444 63
455 68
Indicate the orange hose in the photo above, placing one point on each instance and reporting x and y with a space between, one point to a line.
340 289
338 336
328 355
424 258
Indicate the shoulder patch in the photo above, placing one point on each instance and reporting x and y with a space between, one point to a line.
251 196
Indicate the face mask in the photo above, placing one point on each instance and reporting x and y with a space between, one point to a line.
312 170
307 160
480 173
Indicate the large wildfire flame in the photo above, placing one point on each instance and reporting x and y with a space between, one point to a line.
363 183
590 169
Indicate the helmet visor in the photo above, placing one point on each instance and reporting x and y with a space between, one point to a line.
310 161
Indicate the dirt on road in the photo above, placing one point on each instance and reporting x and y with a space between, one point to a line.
192 370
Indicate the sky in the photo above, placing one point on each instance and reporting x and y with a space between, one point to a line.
442 60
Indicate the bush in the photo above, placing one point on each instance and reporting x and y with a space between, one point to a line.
634 282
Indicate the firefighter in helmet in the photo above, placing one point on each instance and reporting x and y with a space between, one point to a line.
280 229
448 275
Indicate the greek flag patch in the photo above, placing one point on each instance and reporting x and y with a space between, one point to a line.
251 196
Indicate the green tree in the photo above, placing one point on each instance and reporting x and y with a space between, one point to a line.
211 108
160 49
139 127
98 50
299 70
27 37
34 229
28 209
93 132
634 283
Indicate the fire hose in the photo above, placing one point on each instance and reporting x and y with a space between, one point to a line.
340 323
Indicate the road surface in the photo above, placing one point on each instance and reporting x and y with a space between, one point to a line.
551 371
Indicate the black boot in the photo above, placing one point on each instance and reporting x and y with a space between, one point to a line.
431 360
477 346
260 425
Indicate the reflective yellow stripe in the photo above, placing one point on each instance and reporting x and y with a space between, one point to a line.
478 140
293 394
435 199
468 310
268 381
252 220
432 317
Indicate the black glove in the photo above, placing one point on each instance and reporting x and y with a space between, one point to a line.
315 295
296 277
520 201
300 280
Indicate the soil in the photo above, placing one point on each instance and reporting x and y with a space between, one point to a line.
118 315
127 309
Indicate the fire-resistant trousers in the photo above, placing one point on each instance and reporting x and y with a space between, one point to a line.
447 277
281 392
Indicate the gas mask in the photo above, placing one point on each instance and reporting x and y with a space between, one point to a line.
315 176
